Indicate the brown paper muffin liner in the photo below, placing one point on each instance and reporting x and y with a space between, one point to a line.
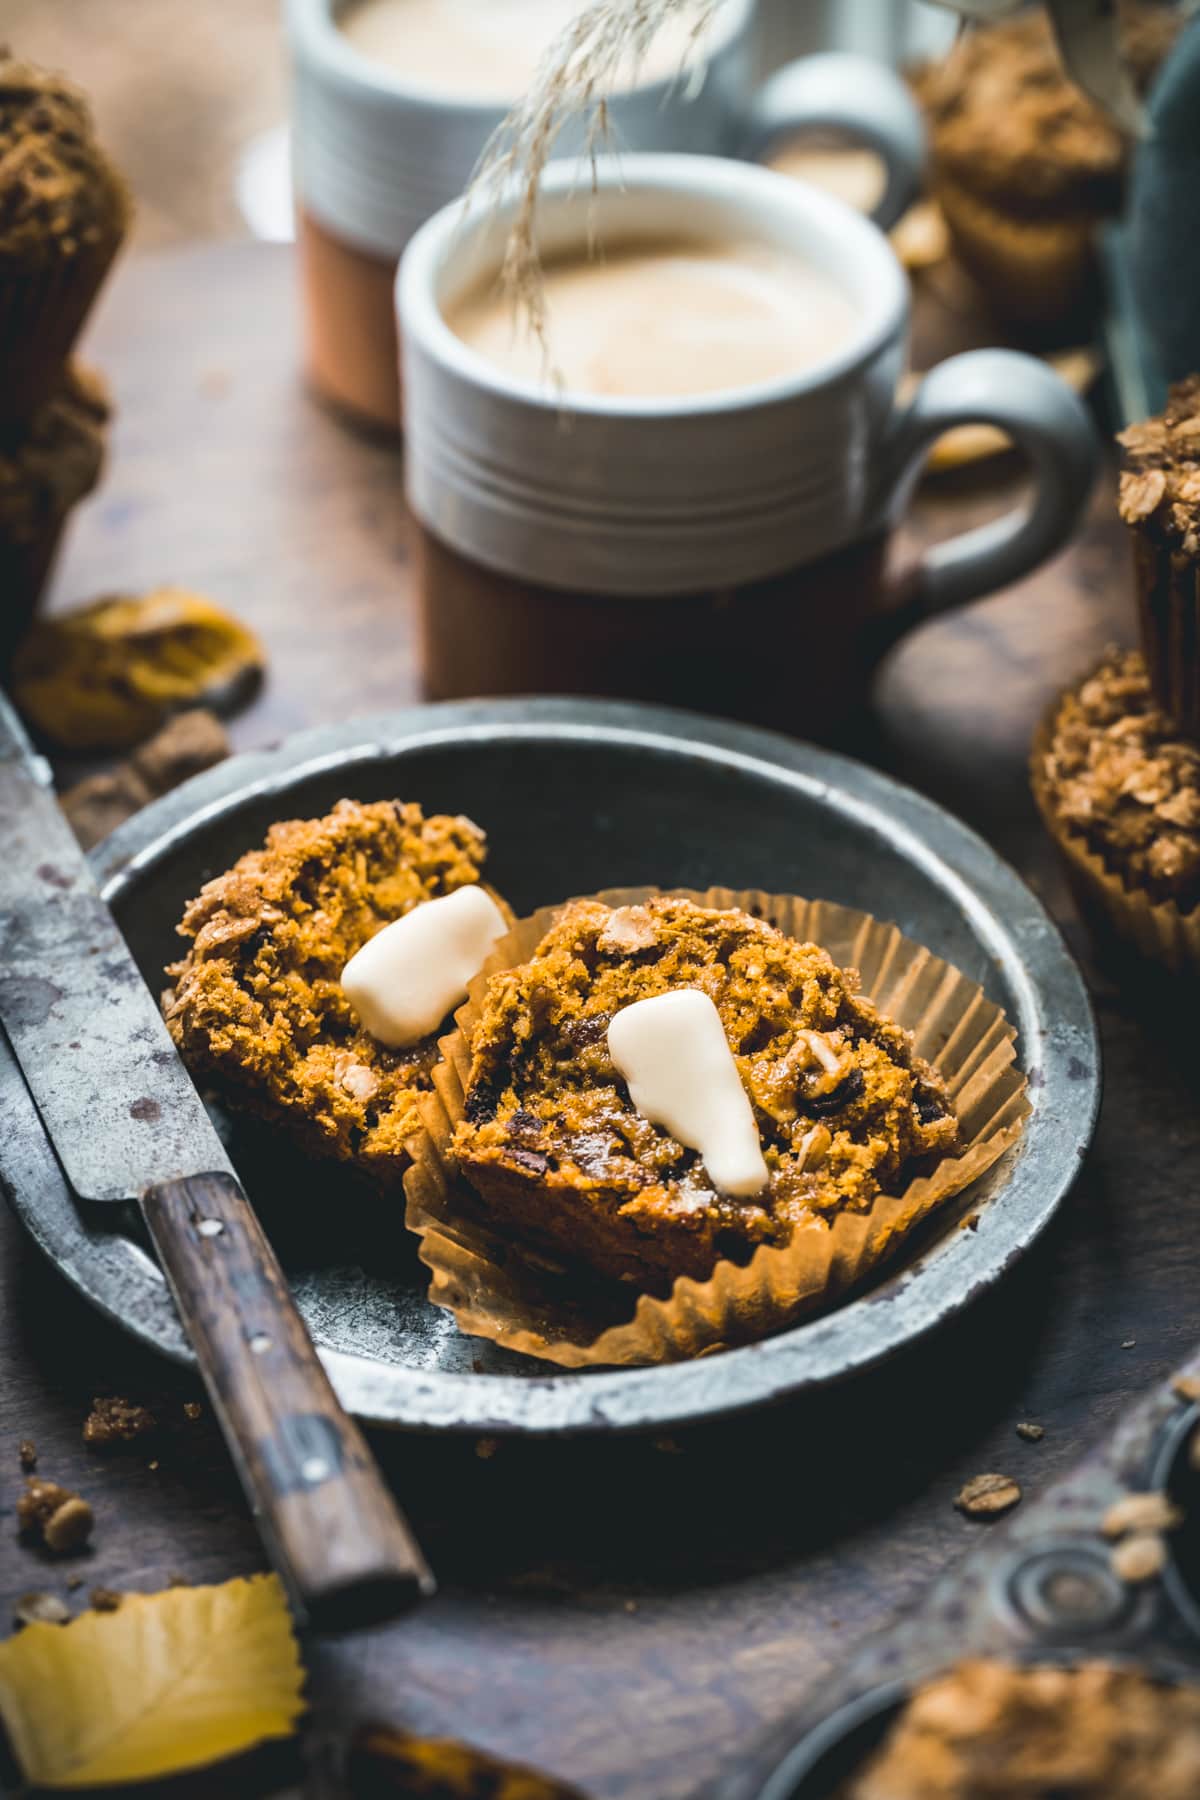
1155 929
496 1290
1035 270
1168 592
24 573
41 315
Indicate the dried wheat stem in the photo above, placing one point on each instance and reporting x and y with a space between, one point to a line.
604 44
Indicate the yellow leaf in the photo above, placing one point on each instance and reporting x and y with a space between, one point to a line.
168 1682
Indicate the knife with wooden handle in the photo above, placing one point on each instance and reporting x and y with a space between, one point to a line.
126 1125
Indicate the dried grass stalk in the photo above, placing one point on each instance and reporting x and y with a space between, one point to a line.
604 45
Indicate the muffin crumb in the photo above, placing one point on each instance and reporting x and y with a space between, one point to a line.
114 1420
40 1609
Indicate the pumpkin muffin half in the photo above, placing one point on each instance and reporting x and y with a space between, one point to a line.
257 1008
560 1155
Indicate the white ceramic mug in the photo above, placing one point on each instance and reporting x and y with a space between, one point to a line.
700 549
374 157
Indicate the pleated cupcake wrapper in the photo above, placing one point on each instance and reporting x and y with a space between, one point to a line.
1168 590
24 572
499 1291
1034 270
41 317
1158 929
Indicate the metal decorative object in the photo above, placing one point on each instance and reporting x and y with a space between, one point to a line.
577 796
1045 1586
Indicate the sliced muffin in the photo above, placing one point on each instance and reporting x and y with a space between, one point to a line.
558 1154
256 1005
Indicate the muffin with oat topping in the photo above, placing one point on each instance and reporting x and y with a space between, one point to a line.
256 1005
1160 502
64 211
1119 790
554 1147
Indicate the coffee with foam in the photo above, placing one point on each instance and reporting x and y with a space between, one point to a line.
666 320
486 50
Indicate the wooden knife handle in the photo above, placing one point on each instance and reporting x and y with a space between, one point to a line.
329 1522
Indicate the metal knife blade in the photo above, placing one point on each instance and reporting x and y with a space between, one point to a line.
114 1097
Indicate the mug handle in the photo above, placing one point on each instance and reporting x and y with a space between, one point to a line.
865 99
1047 422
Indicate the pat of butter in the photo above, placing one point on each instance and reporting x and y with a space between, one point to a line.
405 979
681 1075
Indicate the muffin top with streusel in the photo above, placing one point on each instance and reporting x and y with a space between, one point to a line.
1160 477
1118 773
58 191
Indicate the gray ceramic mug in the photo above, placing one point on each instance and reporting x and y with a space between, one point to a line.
375 156
724 550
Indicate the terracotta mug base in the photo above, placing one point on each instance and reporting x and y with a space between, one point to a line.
351 350
794 652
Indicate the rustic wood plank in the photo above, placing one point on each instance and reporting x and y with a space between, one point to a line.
621 1614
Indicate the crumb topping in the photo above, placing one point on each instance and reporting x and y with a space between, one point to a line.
1119 774
1160 476
988 1730
59 194
550 1138
257 1007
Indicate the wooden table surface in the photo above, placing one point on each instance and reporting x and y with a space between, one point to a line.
622 1614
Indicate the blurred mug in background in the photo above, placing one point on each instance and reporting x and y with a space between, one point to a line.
394 101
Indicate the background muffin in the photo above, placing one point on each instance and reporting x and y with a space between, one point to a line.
1025 165
63 213
1160 502
1119 791
993 1731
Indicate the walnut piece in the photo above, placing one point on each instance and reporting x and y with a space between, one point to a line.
52 1512
628 929
1140 1557
987 1496
1141 1512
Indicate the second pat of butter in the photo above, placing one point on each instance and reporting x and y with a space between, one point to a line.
405 979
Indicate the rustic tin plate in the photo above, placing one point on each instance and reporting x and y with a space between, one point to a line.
577 796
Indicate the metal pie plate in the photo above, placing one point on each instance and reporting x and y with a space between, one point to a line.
575 797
